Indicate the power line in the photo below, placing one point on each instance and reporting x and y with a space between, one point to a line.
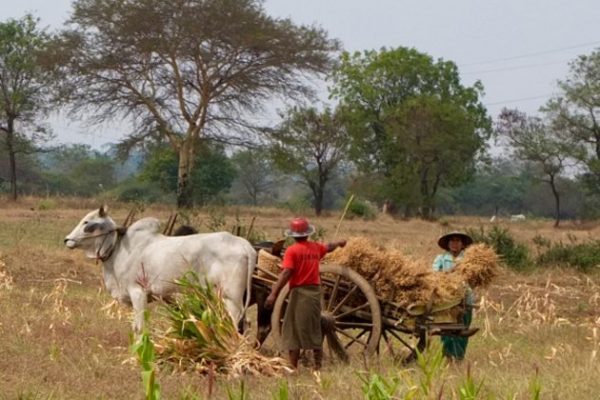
556 50
512 68
518 100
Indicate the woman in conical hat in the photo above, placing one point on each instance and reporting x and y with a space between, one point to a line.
454 244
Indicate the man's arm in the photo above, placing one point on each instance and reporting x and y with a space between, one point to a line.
334 245
282 279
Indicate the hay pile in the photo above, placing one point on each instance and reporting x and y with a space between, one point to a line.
268 262
404 281
478 266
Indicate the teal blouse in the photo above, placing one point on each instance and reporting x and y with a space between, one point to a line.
445 262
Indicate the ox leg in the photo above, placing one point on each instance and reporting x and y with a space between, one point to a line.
263 316
234 310
139 301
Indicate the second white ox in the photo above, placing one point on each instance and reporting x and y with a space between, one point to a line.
140 263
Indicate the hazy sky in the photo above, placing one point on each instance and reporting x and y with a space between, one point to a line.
517 48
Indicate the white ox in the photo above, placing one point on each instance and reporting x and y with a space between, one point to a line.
140 263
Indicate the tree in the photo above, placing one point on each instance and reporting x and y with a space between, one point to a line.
254 171
415 127
77 169
535 141
212 175
576 111
23 90
185 69
311 144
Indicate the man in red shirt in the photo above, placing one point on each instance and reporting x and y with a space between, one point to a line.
301 329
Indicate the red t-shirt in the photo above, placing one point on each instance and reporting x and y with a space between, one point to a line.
303 259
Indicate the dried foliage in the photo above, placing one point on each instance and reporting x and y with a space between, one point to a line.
203 337
404 281
268 262
478 266
6 280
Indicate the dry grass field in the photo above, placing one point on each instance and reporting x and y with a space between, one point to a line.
62 337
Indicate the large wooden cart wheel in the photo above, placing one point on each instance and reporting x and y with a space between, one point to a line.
350 312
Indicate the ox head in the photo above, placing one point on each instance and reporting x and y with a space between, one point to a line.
95 233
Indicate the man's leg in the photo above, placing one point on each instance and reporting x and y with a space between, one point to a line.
294 356
318 355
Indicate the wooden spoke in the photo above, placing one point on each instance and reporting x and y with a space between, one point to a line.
404 342
388 343
359 335
361 307
345 299
349 325
333 292
353 338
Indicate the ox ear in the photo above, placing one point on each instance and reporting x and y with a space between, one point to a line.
103 211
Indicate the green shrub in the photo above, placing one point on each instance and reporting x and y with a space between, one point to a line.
361 209
133 191
582 256
46 204
514 255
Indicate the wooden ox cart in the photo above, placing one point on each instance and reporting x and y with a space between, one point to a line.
355 320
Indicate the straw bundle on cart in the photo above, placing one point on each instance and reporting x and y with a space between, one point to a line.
268 262
404 281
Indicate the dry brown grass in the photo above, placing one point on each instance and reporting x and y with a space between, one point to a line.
62 336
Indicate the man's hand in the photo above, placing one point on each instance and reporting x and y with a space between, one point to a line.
334 245
270 301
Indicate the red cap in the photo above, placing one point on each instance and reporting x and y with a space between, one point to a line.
299 227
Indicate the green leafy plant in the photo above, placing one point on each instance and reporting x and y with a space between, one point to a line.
360 208
241 394
514 255
283 391
469 389
582 256
376 387
143 348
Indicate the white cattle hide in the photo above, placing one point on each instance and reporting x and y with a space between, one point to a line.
140 263
518 217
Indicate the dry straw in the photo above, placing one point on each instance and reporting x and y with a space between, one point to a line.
478 266
269 262
6 280
404 281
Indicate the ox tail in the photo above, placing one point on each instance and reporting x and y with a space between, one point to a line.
251 265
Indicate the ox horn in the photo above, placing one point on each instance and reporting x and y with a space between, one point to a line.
129 218
170 224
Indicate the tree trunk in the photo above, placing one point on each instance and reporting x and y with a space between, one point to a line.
185 198
426 198
556 201
10 147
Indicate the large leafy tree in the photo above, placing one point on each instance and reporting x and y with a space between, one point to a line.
23 91
187 69
311 144
255 174
213 172
78 170
575 112
535 141
415 128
